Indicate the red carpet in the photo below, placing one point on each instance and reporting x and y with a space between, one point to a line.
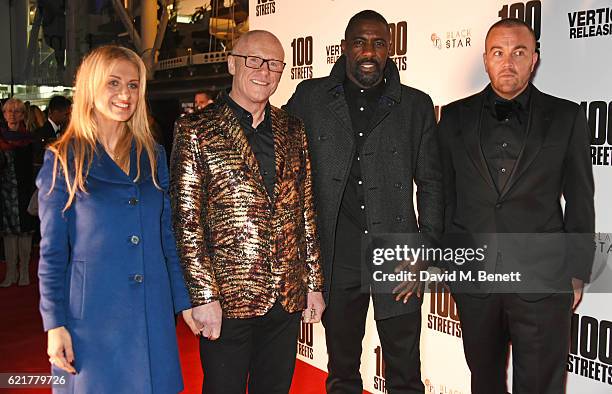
23 344
306 380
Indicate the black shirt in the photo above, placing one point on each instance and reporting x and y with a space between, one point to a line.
261 141
362 105
504 125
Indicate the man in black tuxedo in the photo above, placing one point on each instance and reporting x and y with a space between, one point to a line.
58 115
509 153
371 138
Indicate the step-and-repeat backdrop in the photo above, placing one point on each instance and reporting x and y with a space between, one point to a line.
437 46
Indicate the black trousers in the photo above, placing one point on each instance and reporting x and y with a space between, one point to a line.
258 352
538 330
345 320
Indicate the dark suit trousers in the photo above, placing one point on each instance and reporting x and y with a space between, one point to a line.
538 330
344 320
259 352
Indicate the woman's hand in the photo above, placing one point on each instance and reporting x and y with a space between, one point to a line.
59 349
190 322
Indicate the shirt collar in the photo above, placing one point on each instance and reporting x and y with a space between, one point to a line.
373 91
242 114
54 125
522 99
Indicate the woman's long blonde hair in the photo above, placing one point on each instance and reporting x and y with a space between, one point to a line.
81 134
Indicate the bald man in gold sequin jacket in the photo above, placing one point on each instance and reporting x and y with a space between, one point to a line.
245 226
237 245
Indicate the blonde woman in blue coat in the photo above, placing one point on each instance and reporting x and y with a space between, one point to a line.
110 279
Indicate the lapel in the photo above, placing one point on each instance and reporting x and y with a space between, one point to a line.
230 127
383 109
50 130
233 131
537 127
280 130
104 168
391 95
337 106
471 118
337 103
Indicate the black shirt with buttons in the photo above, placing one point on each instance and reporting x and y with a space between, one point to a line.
504 125
362 105
261 140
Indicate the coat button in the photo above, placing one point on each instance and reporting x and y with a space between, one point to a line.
398 218
134 239
138 278
133 201
498 206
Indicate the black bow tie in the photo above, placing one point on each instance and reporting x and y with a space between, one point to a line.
506 109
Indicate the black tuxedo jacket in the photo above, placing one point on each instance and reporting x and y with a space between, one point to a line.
46 133
554 161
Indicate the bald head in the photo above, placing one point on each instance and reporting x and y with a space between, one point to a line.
261 37
256 64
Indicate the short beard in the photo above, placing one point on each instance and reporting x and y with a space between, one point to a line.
367 80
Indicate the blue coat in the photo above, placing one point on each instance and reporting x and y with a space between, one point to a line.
110 274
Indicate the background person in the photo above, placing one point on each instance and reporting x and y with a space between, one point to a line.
202 100
58 116
35 117
16 188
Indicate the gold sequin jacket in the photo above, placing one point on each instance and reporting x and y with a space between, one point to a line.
237 244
